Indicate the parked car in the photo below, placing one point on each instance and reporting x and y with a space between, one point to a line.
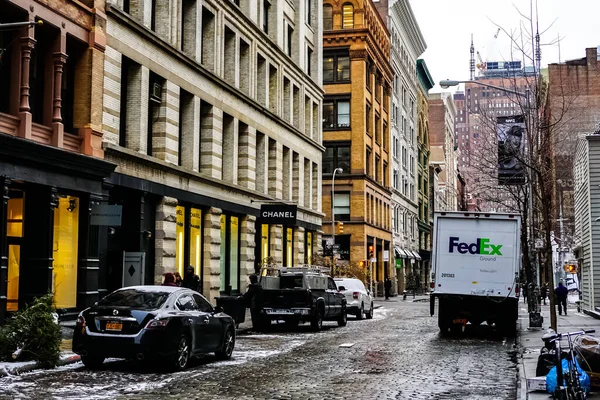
300 294
163 323
358 298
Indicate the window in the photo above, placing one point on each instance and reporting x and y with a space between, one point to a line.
266 7
309 53
385 174
385 135
202 303
336 67
290 33
369 161
341 206
327 17
368 119
186 303
368 74
377 130
336 114
347 16
336 156
377 165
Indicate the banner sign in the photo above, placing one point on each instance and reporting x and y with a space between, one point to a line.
511 149
106 215
278 214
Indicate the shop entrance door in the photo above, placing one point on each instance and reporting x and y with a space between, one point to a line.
133 268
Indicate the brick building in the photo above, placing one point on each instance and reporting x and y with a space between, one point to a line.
51 167
573 109
442 114
356 130
211 110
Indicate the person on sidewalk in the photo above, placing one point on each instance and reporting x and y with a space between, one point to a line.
190 279
561 293
544 292
388 288
169 280
254 299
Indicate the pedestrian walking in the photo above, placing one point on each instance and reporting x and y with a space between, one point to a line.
387 285
561 293
544 292
524 293
253 298
190 279
169 280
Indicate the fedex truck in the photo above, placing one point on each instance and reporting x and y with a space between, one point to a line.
476 261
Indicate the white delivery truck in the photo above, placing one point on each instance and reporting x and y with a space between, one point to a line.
476 262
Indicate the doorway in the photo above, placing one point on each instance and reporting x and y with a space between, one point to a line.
16 201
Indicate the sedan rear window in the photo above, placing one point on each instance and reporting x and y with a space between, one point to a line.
135 299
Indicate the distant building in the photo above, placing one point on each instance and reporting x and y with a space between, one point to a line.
442 115
573 109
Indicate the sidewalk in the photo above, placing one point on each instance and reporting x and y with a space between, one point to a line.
530 342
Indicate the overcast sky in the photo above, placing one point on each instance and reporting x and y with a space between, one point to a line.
447 26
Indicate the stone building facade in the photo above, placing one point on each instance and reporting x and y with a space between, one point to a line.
212 109
357 79
51 167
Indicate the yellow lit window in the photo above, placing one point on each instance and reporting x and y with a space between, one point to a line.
66 229
264 243
309 248
196 239
289 248
347 16
180 239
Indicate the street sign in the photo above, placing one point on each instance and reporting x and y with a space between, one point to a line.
374 259
386 255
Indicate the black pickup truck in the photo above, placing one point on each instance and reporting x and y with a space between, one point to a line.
297 295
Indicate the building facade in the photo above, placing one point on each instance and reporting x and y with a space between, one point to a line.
424 183
587 208
51 167
357 79
573 109
442 115
211 111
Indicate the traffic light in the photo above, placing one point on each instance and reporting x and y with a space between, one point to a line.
570 268
340 227
371 253
362 263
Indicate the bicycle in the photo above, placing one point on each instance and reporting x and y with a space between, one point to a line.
568 385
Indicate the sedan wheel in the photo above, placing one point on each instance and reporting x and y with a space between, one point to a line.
360 312
182 353
228 345
92 362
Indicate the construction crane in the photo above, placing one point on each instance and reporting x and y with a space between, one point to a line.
481 65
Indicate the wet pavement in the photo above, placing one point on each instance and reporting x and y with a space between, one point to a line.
399 354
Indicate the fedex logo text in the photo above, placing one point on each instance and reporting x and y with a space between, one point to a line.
481 246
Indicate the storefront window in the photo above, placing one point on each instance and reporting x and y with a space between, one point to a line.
264 243
223 252
309 248
180 239
289 249
14 233
66 228
196 240
234 251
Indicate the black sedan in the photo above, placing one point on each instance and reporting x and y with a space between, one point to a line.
153 323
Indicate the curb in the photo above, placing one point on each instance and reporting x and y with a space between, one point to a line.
521 378
7 371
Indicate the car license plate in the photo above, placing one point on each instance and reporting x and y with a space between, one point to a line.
113 326
278 311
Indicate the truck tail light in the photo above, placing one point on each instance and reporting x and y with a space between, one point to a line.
355 295
517 289
432 285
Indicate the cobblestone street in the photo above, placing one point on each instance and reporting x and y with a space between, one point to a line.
399 354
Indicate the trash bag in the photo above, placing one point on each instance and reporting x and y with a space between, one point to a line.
584 379
588 351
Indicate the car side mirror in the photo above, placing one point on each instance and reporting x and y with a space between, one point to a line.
341 288
218 309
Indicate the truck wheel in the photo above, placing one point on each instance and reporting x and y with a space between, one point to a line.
343 318
444 318
508 327
369 314
317 321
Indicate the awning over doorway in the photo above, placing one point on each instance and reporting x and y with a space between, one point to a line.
399 252
416 253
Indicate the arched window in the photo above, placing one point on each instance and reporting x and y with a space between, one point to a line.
347 16
327 17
